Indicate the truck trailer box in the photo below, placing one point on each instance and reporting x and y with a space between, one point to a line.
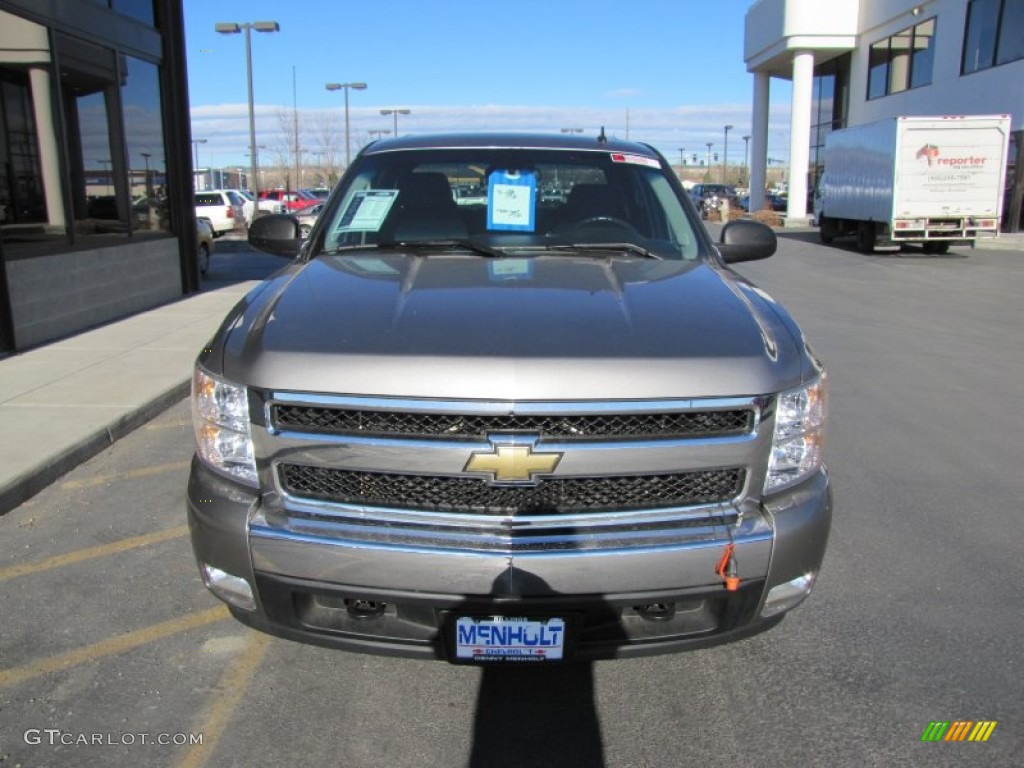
932 180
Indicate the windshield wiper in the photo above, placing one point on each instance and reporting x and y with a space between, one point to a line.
411 245
466 245
639 250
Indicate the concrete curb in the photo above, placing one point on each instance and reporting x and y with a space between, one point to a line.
26 485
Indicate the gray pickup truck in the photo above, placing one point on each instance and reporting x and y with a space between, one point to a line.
529 427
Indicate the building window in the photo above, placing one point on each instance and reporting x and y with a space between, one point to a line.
922 57
902 61
21 180
31 204
993 35
88 77
1011 32
144 136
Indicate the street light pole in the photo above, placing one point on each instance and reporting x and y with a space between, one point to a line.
682 160
725 154
709 145
195 152
231 28
345 87
396 113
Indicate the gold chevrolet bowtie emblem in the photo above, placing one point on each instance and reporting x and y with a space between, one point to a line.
511 463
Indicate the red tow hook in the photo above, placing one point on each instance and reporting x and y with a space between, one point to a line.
726 568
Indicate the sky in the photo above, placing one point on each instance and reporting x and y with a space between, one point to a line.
666 72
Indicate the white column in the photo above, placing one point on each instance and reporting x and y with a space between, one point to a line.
800 136
759 141
49 158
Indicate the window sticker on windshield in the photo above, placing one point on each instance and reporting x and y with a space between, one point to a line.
512 201
367 210
500 270
650 162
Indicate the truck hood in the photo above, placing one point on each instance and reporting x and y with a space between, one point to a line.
539 328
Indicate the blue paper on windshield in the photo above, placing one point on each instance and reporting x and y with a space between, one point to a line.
512 201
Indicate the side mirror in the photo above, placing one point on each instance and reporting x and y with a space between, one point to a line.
745 240
277 234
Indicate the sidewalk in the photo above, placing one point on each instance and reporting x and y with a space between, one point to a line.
64 402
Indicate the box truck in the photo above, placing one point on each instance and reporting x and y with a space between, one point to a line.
934 181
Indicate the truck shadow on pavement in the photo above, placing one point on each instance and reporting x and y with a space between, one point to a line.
532 714
849 245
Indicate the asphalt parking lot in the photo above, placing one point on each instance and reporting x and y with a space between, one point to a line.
113 654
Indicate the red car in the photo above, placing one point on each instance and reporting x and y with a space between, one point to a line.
294 201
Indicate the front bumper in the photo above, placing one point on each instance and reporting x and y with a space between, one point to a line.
399 600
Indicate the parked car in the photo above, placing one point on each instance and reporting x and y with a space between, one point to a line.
516 431
204 243
265 206
708 197
292 201
224 208
772 202
307 218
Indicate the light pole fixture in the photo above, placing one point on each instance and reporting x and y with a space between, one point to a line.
725 153
195 152
396 113
345 87
230 28
145 159
376 134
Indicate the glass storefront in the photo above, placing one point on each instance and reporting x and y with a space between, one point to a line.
96 218
82 155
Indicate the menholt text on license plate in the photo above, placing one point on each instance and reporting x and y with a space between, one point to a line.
501 638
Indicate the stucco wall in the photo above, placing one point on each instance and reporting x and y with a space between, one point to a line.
59 294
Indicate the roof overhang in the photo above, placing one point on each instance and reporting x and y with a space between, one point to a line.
776 29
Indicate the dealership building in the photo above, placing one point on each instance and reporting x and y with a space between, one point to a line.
857 61
96 218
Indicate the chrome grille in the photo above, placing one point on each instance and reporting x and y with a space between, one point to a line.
398 424
559 495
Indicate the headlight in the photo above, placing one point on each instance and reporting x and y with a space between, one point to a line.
220 416
799 435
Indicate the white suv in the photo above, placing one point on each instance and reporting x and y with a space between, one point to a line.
224 209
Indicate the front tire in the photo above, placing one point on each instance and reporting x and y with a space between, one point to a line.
204 258
827 229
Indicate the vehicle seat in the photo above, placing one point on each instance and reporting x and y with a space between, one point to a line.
424 210
588 201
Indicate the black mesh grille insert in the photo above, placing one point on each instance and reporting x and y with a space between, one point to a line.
463 495
342 421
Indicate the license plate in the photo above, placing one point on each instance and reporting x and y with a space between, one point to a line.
502 638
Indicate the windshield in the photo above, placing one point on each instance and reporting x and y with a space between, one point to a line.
512 201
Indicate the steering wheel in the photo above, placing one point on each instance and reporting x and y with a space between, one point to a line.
603 221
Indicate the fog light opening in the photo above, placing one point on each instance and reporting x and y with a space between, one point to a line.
365 609
789 595
656 611
233 590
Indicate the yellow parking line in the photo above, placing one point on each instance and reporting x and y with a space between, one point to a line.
114 645
158 469
231 687
87 554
